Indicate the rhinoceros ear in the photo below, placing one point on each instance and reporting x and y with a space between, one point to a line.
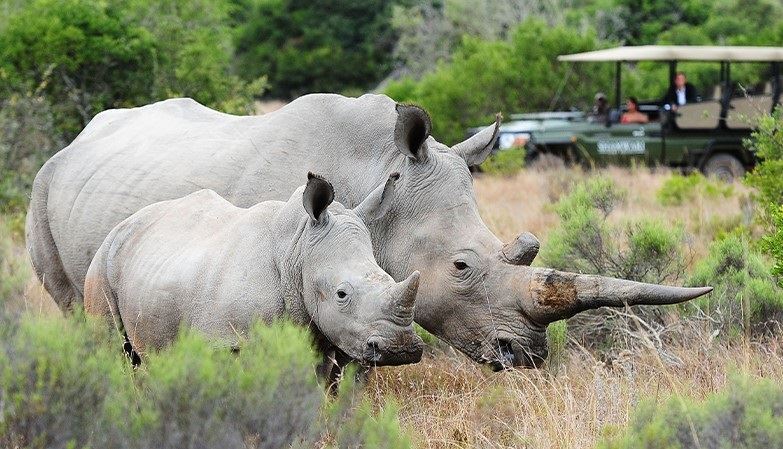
378 202
478 146
411 131
318 195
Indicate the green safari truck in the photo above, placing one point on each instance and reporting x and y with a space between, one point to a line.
704 133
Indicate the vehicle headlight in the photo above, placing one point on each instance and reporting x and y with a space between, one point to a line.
513 140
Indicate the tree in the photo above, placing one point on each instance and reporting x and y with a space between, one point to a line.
329 46
515 75
81 55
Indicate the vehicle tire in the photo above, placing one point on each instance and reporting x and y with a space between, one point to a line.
725 167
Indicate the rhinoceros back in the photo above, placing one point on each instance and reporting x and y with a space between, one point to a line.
129 158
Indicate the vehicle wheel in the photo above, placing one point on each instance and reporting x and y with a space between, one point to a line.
725 167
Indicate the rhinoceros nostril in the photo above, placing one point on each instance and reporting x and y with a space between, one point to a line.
373 350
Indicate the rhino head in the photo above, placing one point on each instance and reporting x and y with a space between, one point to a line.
476 293
356 305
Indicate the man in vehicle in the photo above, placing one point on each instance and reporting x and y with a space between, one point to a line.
633 115
681 92
600 109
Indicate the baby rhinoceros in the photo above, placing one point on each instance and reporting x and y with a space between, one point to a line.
203 263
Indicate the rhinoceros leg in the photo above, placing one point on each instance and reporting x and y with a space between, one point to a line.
100 300
41 245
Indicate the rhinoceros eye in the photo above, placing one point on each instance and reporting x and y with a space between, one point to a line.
460 265
341 294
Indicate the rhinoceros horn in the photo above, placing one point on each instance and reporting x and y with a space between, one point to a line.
556 295
402 298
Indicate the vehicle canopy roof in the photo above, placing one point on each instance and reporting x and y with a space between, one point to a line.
679 53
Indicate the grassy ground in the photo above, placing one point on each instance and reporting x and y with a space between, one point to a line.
450 402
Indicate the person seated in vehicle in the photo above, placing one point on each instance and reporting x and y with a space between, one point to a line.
632 115
600 111
681 92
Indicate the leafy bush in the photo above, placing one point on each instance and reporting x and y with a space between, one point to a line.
768 143
557 338
678 189
505 162
56 384
645 250
773 243
746 415
64 383
745 294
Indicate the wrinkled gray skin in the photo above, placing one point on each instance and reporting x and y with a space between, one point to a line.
475 293
202 263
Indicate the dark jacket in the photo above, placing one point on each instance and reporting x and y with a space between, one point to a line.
690 94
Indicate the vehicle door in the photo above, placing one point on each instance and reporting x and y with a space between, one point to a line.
625 144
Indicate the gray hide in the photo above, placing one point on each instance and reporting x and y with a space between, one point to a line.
475 293
202 263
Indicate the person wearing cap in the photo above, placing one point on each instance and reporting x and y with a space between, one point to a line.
600 109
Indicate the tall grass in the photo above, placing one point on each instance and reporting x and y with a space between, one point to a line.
580 396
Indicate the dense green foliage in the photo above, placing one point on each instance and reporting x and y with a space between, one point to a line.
303 47
519 74
747 415
766 178
62 62
745 296
64 383
83 57
679 189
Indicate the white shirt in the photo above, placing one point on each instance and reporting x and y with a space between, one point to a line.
681 96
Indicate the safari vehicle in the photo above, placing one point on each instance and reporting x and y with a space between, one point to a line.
706 135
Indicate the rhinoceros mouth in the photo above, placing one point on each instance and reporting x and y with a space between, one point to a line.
383 352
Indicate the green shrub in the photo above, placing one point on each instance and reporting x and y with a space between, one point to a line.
645 250
747 415
65 383
585 241
745 295
773 243
766 178
557 338
56 382
678 189
505 162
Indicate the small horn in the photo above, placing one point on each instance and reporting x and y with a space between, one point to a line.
403 297
557 295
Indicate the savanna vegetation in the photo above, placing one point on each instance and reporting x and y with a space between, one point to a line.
702 375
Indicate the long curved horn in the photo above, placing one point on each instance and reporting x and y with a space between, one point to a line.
557 295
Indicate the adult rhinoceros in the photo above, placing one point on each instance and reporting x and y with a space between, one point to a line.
475 293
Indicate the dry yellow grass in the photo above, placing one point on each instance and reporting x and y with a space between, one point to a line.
450 402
